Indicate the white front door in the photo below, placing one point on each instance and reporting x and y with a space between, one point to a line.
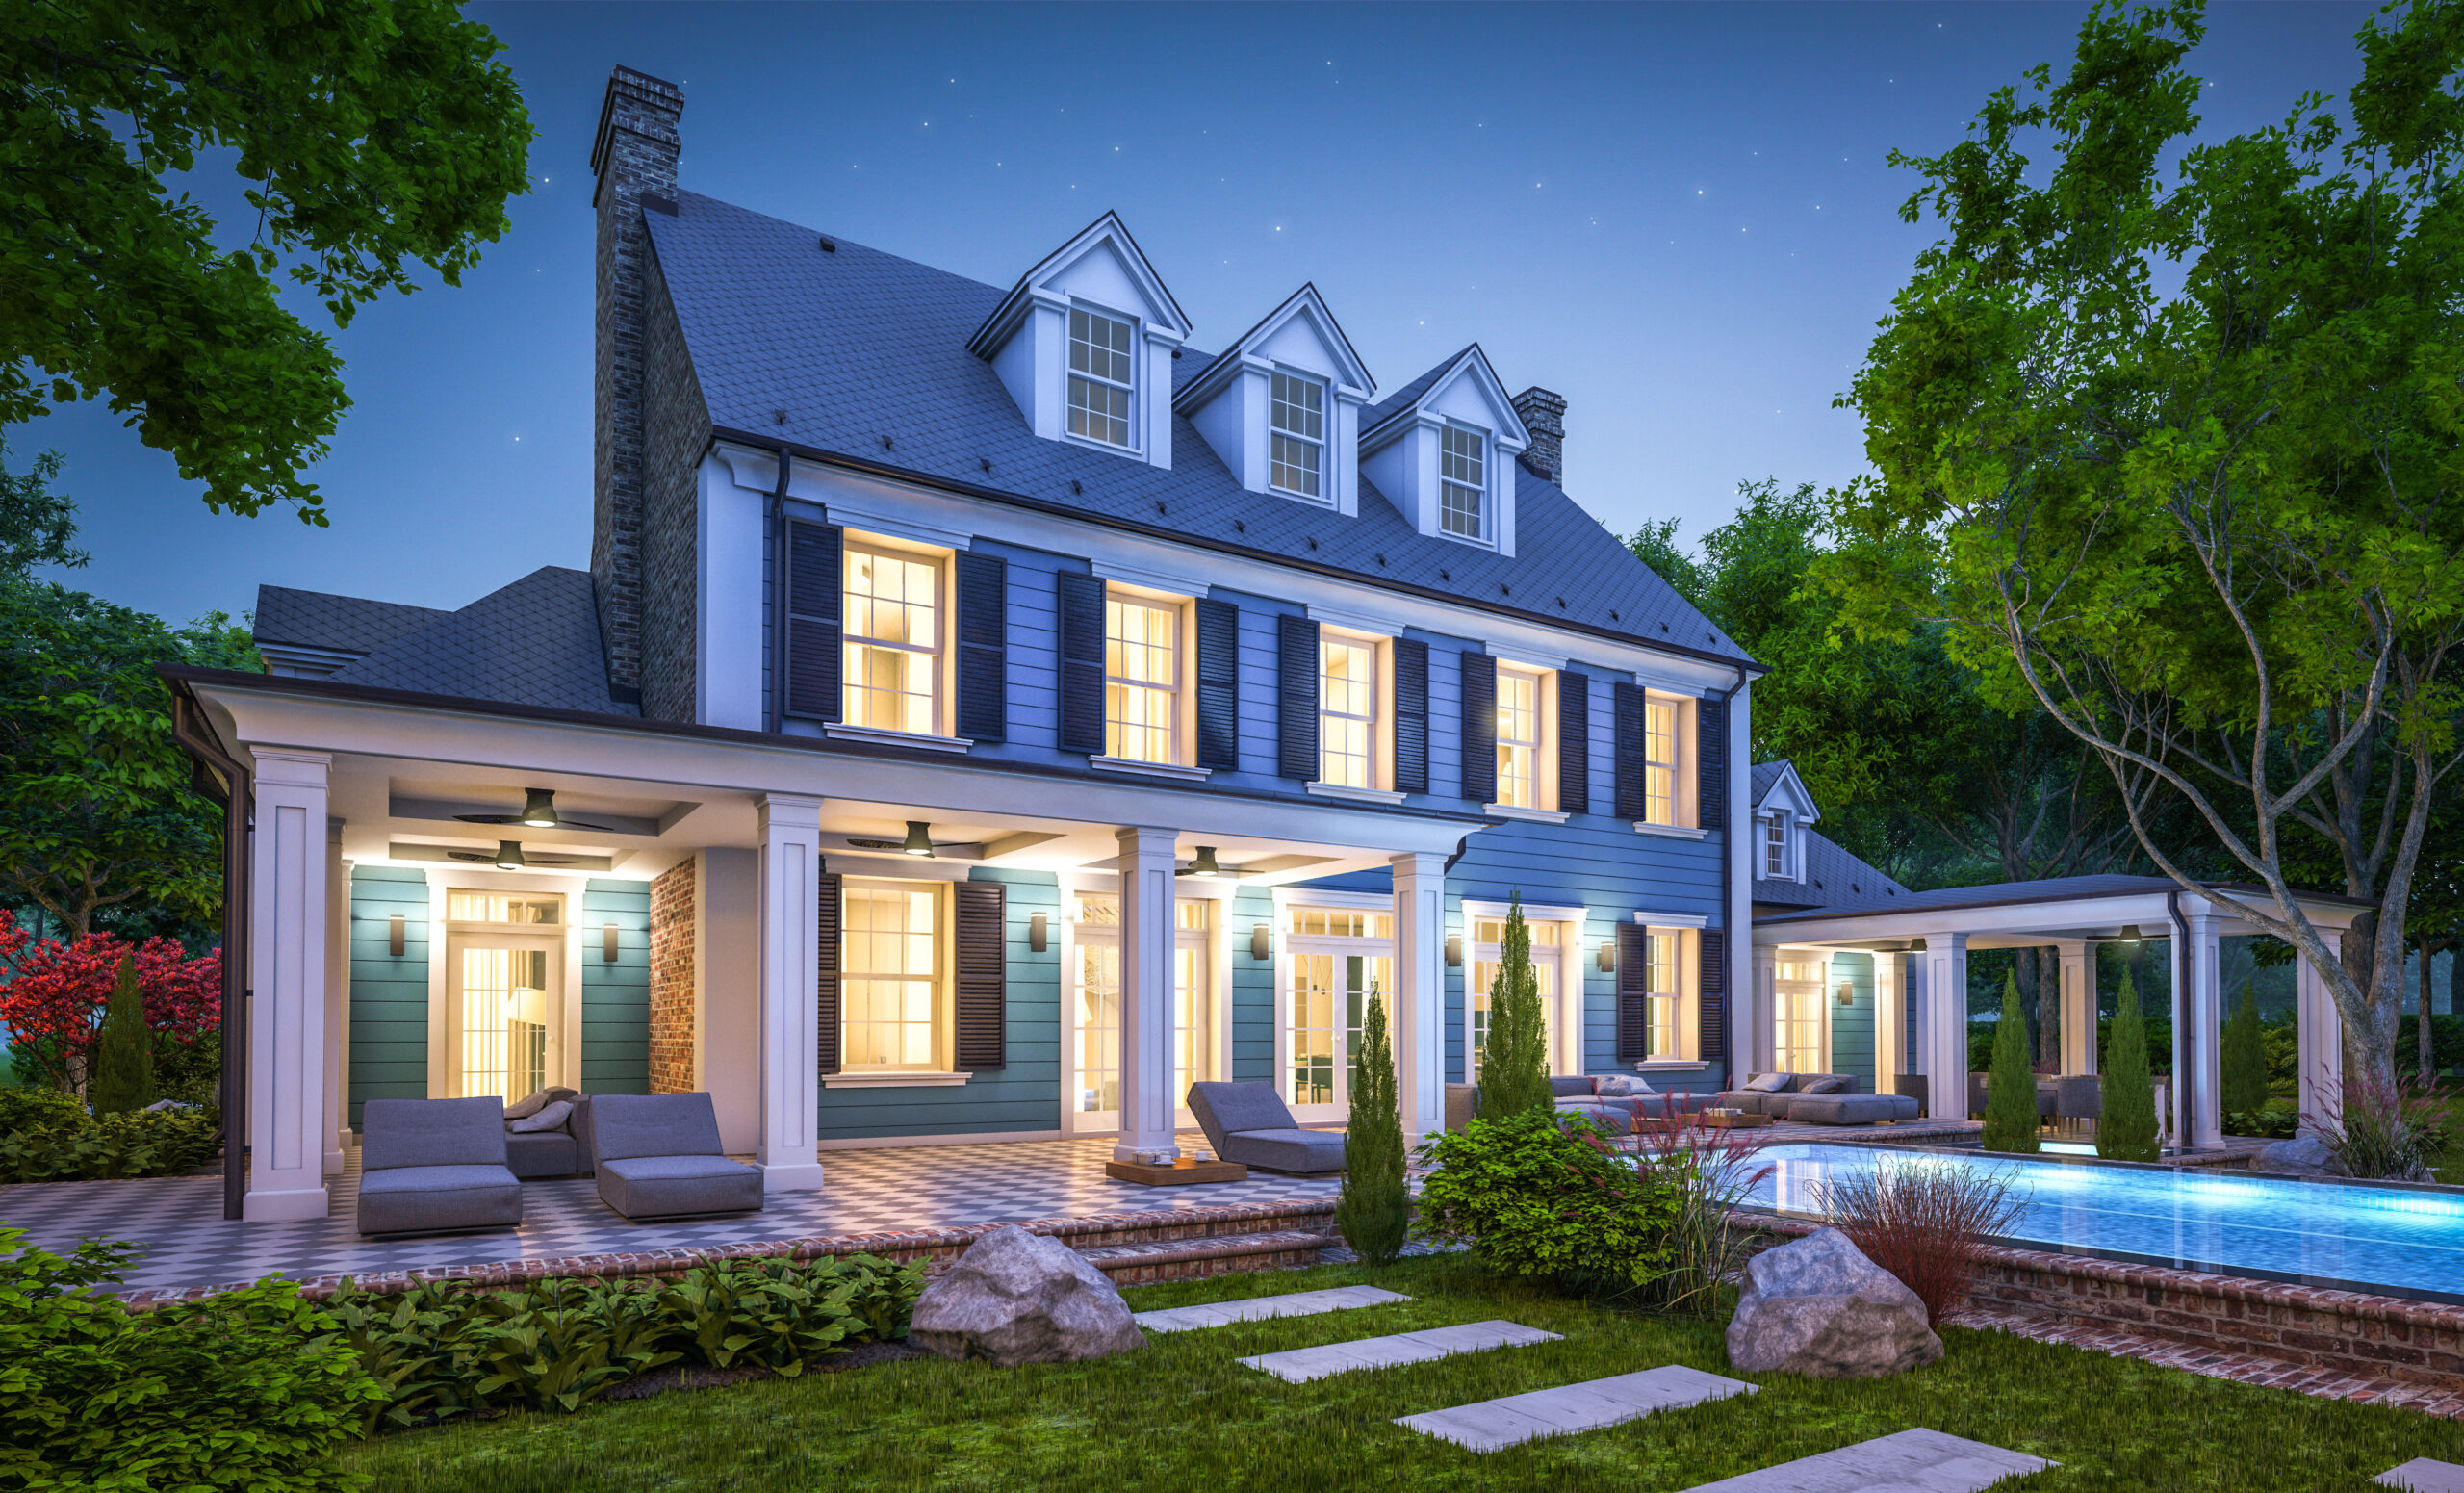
1092 1070
504 979
1333 959
1798 1013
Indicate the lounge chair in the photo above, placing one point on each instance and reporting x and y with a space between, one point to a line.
658 1157
427 1165
1247 1123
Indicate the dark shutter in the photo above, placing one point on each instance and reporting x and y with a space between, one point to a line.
1480 728
1712 1007
1411 716
810 664
1634 727
826 942
1297 697
1711 752
1218 684
1573 743
984 640
1082 662
983 976
1633 992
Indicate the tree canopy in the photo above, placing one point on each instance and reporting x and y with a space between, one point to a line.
375 136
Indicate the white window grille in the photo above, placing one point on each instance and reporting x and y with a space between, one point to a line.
1141 678
1463 484
1346 712
1659 762
1775 848
892 642
891 978
1101 377
1296 417
1518 738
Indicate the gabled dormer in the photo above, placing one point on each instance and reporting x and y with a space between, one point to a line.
1443 451
1282 405
1783 812
1084 341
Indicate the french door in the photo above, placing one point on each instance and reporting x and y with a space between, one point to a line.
1094 1067
1798 1016
1335 962
504 983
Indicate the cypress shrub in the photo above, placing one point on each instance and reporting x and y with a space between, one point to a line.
2245 1058
123 1076
2127 1132
2011 1089
1514 1069
1375 1212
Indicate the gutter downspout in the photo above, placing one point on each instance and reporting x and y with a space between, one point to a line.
773 706
219 777
2179 972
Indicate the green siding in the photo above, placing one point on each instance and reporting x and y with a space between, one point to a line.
616 997
1852 1027
1252 988
388 994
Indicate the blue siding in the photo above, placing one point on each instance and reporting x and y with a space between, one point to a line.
616 998
387 996
1852 1027
1252 987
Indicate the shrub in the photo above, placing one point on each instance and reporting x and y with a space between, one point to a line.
1921 1218
190 1071
75 1148
123 1073
2392 1132
30 1108
1514 1061
2269 1122
56 993
1708 1172
2011 1092
2127 1129
1375 1212
1541 1194
249 1389
2244 1057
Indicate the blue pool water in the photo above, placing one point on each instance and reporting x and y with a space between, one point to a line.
2388 1240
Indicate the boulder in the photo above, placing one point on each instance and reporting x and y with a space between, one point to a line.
2304 1155
1017 1298
1820 1308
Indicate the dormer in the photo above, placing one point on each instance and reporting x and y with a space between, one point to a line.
1282 407
1443 451
1084 341
1783 812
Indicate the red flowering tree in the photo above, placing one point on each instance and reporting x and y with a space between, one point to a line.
56 993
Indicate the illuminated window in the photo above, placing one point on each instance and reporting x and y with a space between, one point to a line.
892 640
484 906
1774 847
1346 712
1548 958
1142 679
1298 420
889 982
1518 738
1660 981
1101 377
1659 762
1337 923
1462 468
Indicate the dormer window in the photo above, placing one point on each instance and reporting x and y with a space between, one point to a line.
1298 414
1775 848
1464 483
1102 376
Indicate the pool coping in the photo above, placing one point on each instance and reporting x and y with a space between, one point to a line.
2064 1158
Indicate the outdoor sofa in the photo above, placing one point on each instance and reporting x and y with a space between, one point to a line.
427 1165
1247 1123
659 1156
1816 1099
1618 1100
558 1148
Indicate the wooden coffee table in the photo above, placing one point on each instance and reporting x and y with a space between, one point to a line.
1177 1177
1745 1122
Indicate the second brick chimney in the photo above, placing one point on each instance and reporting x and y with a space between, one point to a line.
1544 417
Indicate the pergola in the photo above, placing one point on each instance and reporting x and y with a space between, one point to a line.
1920 945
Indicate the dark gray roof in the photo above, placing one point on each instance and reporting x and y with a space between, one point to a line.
1765 774
339 623
2058 888
1402 397
534 642
858 347
1833 876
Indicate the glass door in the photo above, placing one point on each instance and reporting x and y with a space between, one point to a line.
1334 959
1094 1081
1797 1015
1548 958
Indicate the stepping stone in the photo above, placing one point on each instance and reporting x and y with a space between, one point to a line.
1494 1425
2424 1476
1300 1365
1912 1461
1257 1309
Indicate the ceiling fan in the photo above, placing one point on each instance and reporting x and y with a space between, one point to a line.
918 841
538 812
509 857
1203 866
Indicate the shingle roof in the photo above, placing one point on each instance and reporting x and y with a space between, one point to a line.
341 624
1402 397
534 642
2054 889
845 350
1766 774
1834 878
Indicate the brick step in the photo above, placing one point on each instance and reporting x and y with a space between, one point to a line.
1214 1254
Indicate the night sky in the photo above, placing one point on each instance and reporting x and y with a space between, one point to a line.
1680 217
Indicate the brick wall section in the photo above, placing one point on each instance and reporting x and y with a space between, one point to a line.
676 429
635 154
1543 418
672 925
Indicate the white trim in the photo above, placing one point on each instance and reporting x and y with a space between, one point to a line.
1673 920
894 866
893 1078
1352 621
1166 581
838 730
1670 831
1670 1065
1531 912
1535 815
1307 896
1545 663
1386 796
1152 769
872 521
867 1142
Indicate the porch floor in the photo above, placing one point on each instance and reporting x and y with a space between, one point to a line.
178 1223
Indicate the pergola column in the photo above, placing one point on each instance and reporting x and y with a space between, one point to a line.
1943 1034
2199 1064
1148 1103
2078 962
2320 1033
287 1129
789 887
1419 993
1890 1024
1763 1012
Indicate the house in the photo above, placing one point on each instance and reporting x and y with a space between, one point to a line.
985 712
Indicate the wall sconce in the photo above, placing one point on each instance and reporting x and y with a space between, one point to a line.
1453 951
393 936
1036 938
1607 956
607 943
1847 994
1260 945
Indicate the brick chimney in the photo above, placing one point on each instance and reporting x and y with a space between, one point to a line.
1544 415
634 160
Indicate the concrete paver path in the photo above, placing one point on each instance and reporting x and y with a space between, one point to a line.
1300 1365
1493 1424
1912 1461
2424 1476
1257 1309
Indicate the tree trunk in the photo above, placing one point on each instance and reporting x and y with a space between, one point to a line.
2024 961
2369 1033
2421 1022
2048 960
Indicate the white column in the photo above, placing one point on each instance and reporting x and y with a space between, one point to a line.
1419 993
1890 1024
1147 1099
2078 1006
337 1128
2320 1030
1944 1034
2199 1064
287 1130
1754 1047
790 857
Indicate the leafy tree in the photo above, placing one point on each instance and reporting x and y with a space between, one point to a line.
2245 1056
35 523
2011 1089
374 135
2176 461
2126 1130
124 1059
1514 1063
1375 1211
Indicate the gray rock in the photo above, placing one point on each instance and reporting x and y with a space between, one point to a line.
1820 1308
2304 1155
1017 1298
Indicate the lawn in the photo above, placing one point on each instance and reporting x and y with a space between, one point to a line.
1182 1415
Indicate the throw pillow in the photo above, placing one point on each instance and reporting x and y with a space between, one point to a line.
524 1108
1766 1083
548 1118
1616 1085
1835 1084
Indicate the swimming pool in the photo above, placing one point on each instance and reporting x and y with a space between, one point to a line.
2391 1241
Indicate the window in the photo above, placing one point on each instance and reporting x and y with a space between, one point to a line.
1660 981
1797 1016
1099 377
1346 712
1297 426
1340 923
483 907
1142 679
890 975
1097 1016
892 641
1774 847
1659 762
1339 959
1518 738
1546 958
1463 483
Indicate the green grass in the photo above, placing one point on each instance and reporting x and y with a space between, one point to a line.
1182 1415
